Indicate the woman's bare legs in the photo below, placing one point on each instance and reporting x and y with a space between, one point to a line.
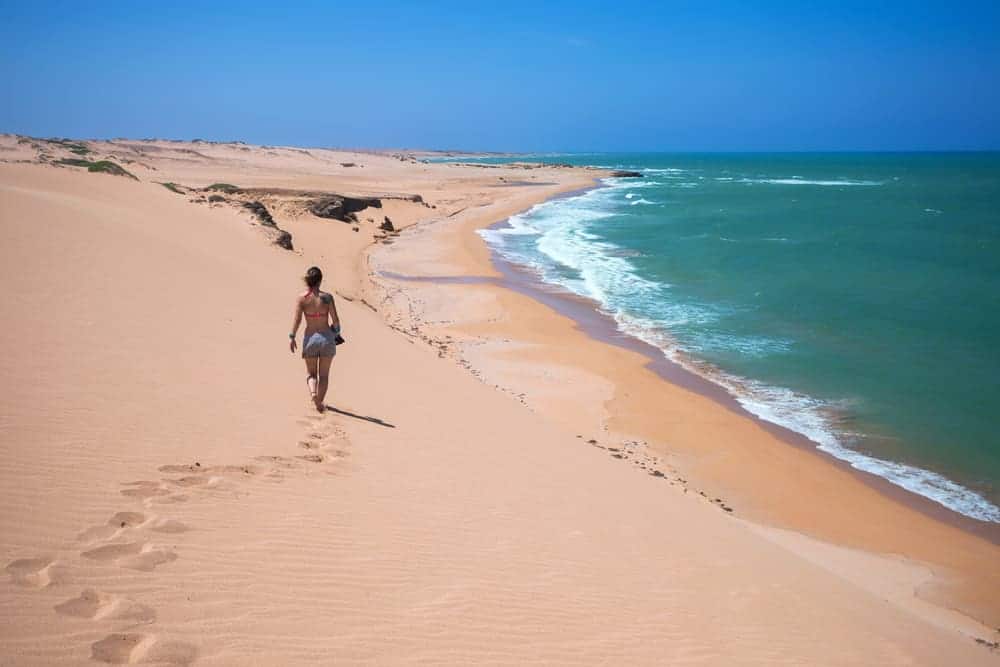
324 381
312 368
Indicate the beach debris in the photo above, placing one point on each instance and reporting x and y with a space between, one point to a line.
387 225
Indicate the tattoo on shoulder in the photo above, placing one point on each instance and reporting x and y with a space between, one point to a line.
326 298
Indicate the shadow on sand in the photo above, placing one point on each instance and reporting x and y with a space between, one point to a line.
373 420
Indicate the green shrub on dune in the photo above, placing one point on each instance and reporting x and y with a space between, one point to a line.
74 162
100 166
228 188
173 187
72 146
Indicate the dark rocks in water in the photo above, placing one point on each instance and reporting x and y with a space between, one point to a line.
620 173
387 225
339 207
260 212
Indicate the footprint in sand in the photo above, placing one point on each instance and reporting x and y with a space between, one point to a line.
281 461
199 475
131 648
169 526
133 555
182 468
34 572
278 466
97 605
241 470
191 480
166 500
113 528
312 458
144 489
148 560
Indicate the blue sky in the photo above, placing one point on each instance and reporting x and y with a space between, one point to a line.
533 76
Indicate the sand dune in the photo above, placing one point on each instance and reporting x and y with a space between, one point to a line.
169 497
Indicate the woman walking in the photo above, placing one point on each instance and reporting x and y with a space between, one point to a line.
319 344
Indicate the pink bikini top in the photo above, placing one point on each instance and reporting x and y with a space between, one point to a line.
314 314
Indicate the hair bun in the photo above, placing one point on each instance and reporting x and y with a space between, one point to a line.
313 277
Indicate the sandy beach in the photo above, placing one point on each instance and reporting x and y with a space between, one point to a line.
492 483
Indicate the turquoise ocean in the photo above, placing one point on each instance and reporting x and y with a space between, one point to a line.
853 298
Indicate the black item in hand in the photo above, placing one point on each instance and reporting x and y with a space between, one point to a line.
339 339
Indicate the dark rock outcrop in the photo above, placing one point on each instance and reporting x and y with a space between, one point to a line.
343 208
621 173
387 225
260 212
277 235
283 239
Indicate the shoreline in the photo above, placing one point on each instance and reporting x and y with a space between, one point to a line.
599 328
587 314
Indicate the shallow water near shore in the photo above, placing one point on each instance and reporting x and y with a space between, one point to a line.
849 297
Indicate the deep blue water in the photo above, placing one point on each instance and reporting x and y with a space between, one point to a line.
852 297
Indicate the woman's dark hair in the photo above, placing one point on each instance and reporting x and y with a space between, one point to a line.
314 277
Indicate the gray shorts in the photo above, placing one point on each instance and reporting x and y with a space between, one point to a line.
319 344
